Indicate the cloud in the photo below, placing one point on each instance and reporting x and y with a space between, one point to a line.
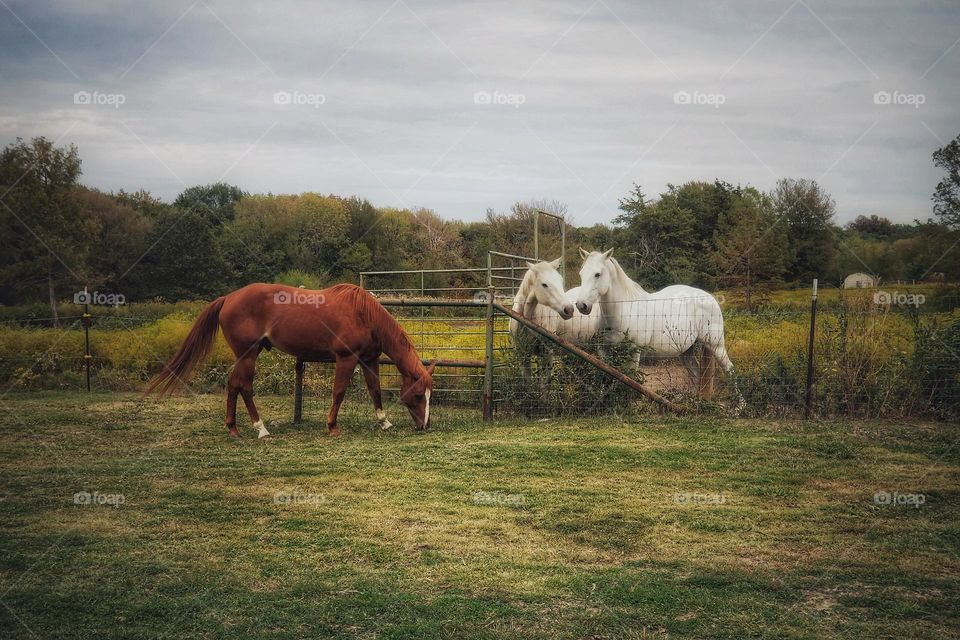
400 123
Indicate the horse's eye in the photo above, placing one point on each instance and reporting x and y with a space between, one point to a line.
544 285
596 275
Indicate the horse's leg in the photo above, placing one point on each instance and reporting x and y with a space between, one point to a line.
244 370
234 386
371 375
717 348
706 372
692 364
344 371
233 389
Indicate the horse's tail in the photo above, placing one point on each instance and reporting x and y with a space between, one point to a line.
195 348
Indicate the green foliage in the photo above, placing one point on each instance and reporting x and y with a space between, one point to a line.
299 278
750 248
934 368
807 211
215 202
542 379
46 237
946 197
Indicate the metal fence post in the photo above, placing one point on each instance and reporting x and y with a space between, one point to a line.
808 397
86 340
488 369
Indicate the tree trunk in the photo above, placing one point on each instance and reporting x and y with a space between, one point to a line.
53 295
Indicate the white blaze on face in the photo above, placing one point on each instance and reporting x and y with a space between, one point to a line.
426 413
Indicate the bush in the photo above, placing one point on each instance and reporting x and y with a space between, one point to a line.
934 368
299 278
542 379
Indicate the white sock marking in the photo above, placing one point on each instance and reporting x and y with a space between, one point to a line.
382 419
261 428
426 413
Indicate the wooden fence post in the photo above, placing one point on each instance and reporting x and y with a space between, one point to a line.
298 393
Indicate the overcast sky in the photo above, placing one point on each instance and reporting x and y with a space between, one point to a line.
460 107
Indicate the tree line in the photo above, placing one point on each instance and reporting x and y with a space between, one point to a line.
59 235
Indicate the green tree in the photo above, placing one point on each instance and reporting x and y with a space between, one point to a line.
216 202
47 236
120 238
807 211
749 247
184 259
946 198
660 237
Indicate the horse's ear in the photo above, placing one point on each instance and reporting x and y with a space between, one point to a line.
530 265
431 367
583 253
608 253
556 263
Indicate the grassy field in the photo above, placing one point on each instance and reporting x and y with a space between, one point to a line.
600 528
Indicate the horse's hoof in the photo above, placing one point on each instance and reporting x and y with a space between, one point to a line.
335 432
261 430
234 433
385 425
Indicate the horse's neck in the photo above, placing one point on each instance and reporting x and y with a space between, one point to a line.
622 288
397 346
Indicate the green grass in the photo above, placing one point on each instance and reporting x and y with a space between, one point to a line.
654 528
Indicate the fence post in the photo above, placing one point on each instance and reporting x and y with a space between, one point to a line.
808 397
298 393
86 340
488 369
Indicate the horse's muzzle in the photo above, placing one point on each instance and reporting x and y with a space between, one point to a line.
567 312
584 308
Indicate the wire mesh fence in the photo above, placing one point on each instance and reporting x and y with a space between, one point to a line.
877 353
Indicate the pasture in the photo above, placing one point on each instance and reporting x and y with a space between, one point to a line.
652 527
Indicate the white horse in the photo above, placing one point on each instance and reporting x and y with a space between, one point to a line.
541 298
669 322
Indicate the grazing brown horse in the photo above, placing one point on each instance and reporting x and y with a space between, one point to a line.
342 324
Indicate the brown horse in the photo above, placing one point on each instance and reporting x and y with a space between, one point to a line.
342 324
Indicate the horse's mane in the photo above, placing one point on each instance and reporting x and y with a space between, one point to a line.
524 289
624 281
373 314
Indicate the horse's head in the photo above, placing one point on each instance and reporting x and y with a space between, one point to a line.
546 287
415 394
594 279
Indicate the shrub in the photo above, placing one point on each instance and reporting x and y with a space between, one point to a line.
542 379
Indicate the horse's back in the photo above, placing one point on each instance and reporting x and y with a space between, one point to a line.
313 323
